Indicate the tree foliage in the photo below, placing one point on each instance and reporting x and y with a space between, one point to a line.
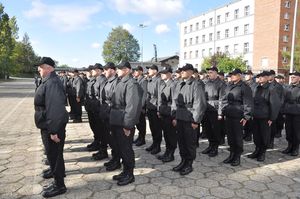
287 54
120 46
224 62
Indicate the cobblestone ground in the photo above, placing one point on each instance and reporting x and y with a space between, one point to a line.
21 164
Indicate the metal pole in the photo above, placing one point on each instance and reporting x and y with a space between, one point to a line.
294 37
142 26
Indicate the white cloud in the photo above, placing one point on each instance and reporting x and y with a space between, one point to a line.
155 9
128 27
64 17
95 45
162 28
75 60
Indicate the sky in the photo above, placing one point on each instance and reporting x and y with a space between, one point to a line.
73 31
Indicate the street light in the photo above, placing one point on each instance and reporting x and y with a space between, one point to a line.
142 26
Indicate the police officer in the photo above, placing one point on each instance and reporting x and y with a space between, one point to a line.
77 96
279 89
177 76
265 112
248 128
151 104
64 79
291 109
105 106
141 126
51 117
124 115
165 95
237 105
188 107
214 91
280 119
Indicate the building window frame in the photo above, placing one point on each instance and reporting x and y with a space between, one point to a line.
236 31
247 11
197 39
286 15
246 29
226 16
191 41
196 54
246 48
191 28
236 13
226 49
285 38
235 48
203 38
210 22
185 29
287 4
185 42
227 33
286 27
197 26
218 35
218 19
203 23
210 36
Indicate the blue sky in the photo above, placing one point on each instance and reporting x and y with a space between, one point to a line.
73 31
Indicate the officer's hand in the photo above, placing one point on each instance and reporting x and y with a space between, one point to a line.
78 99
174 122
220 117
126 131
269 122
243 121
194 125
55 138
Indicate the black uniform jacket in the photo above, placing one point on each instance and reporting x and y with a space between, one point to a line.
292 100
165 95
126 103
189 103
214 91
49 103
152 93
142 81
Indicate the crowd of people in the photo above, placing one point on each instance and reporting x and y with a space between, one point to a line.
118 99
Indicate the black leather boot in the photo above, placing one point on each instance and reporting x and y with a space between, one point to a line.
254 154
114 165
213 152
179 166
261 156
187 168
207 150
169 157
288 149
236 161
127 178
54 190
140 142
160 157
155 150
295 151
150 148
229 158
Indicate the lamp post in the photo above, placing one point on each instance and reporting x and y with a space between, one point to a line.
293 37
142 26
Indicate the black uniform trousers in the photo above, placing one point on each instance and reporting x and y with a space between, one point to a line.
77 110
280 122
187 137
71 103
45 135
292 128
261 133
155 127
234 131
56 158
248 128
141 126
94 125
124 146
108 138
213 128
169 130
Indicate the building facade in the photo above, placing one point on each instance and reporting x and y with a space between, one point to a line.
240 28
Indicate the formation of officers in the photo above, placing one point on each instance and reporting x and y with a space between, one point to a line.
118 99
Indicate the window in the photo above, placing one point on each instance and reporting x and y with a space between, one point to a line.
235 48
210 21
196 54
236 13
226 33
185 42
286 15
218 35
196 65
184 55
285 49
203 52
210 52
218 19
246 29
287 4
284 60
246 47
218 49
185 30
197 26
226 16
285 38
247 10
236 31
210 36
191 41
191 53
203 38
286 27
203 24
191 28
197 40
226 49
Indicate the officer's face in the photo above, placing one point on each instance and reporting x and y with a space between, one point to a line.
123 72
109 72
263 79
248 77
295 79
235 78
94 73
177 75
44 70
186 74
281 81
166 76
212 74
136 73
152 72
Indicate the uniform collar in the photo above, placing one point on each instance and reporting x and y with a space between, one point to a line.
126 78
112 78
52 74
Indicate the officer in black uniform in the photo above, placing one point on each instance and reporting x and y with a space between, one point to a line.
51 117
280 119
64 79
265 111
165 95
237 105
105 106
124 115
248 128
214 91
188 107
77 96
141 126
279 89
291 109
151 105
177 76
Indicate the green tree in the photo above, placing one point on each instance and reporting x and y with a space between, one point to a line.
224 62
120 46
287 54
63 66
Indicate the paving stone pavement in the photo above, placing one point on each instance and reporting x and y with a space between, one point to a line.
21 164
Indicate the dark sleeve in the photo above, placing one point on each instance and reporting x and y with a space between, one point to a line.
174 96
159 99
144 87
79 88
132 101
221 96
199 104
56 115
247 102
275 104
